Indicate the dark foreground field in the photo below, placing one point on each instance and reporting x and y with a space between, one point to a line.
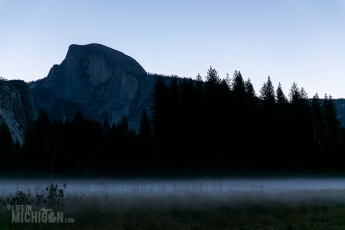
322 209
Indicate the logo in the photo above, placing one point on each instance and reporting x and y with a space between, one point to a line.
25 214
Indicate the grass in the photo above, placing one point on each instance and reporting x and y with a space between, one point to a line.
324 209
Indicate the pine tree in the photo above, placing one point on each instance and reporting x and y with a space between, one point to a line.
42 132
123 124
6 146
160 120
145 126
238 86
303 94
332 130
29 149
294 93
251 130
281 98
212 76
267 94
267 125
213 128
105 124
249 88
300 129
198 78
318 118
159 109
144 157
281 127
238 116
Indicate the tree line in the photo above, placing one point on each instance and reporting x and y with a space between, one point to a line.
221 124
193 126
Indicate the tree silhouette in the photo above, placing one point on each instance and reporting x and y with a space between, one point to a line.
332 130
212 76
318 119
249 88
6 147
300 128
145 156
281 123
267 124
281 98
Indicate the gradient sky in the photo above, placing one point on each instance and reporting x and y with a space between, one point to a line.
300 41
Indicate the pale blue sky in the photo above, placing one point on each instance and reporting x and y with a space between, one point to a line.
300 41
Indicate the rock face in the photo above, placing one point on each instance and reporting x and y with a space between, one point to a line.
16 107
99 81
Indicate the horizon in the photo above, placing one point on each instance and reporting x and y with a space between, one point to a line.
290 41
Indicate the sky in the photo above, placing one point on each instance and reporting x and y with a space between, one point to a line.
300 41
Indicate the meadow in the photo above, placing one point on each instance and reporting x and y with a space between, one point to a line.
181 206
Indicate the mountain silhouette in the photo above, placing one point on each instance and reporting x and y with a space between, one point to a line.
97 80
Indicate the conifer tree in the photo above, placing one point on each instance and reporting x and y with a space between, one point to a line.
212 76
144 154
318 120
160 108
267 124
249 88
332 130
300 119
145 126
198 78
267 93
123 124
281 127
294 93
280 96
160 119
6 146
238 85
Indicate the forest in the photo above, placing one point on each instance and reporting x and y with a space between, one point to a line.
196 127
